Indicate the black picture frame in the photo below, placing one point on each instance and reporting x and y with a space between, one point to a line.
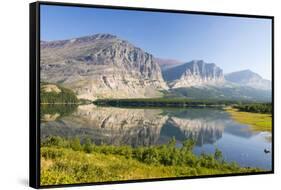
34 90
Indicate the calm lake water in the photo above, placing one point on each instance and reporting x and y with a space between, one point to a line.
211 128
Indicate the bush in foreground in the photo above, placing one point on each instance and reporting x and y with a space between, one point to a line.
92 163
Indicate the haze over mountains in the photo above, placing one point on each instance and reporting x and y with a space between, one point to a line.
193 73
167 63
105 66
249 78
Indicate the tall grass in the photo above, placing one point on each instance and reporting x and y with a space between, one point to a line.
72 161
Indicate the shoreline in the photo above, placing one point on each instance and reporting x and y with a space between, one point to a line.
257 121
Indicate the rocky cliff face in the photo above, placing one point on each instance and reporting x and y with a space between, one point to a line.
194 73
101 66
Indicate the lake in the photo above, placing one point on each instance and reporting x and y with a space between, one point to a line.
211 128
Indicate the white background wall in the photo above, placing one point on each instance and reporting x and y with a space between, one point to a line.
14 39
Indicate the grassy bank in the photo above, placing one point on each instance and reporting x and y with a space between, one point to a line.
67 161
257 121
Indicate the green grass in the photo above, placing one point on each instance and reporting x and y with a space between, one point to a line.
257 121
67 161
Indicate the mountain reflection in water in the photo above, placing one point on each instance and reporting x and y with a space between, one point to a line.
137 126
210 128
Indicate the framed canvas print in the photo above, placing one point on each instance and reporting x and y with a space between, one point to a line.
122 94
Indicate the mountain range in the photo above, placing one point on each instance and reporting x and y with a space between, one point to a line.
105 66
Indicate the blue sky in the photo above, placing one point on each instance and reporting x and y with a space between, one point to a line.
232 43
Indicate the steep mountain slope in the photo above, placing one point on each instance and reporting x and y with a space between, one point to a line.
248 78
101 66
194 73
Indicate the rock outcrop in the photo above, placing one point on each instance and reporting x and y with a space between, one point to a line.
101 66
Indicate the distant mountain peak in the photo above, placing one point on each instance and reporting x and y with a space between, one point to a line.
193 73
242 75
248 78
197 61
246 72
